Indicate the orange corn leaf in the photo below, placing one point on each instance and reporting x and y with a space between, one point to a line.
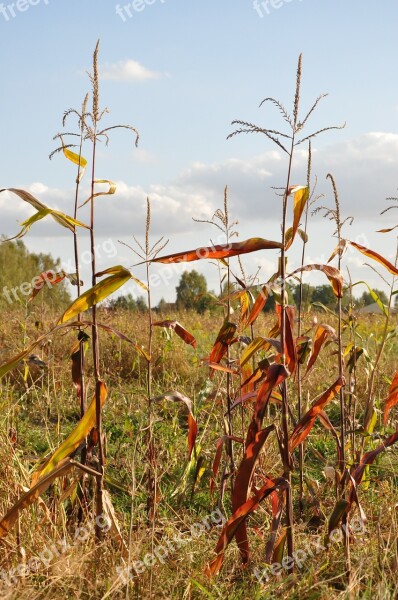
392 399
257 306
375 256
238 518
187 337
305 424
74 439
386 230
322 333
331 273
339 250
47 277
220 251
218 367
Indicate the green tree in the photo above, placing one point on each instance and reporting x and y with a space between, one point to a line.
324 294
19 267
128 302
192 292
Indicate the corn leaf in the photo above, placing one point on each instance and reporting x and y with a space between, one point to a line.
42 211
220 251
112 190
74 439
31 496
375 256
305 424
192 424
301 195
392 399
322 333
331 273
242 485
96 294
238 518
77 160
187 337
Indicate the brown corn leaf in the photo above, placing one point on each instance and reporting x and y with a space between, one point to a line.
331 273
305 424
238 518
187 337
217 458
276 373
242 486
115 529
220 251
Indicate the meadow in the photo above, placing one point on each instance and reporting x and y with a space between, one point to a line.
226 453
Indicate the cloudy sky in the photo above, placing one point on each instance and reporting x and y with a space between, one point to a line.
180 71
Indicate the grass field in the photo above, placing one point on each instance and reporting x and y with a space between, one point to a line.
39 409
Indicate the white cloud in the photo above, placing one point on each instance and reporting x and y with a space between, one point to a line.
128 70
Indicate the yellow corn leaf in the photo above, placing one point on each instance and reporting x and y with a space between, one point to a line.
77 160
42 211
112 190
73 441
301 195
31 496
115 270
96 294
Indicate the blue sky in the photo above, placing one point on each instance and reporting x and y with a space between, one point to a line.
180 71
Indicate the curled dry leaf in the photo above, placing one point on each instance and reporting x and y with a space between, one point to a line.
187 337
